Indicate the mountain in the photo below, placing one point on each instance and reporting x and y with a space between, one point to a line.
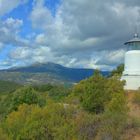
46 73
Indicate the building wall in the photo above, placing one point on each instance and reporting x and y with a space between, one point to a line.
132 63
132 82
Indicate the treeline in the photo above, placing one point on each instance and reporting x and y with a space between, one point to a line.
94 109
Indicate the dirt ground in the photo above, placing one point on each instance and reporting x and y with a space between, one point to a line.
133 132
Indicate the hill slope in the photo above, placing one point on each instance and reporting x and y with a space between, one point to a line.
7 87
46 73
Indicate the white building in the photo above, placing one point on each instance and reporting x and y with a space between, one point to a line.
131 72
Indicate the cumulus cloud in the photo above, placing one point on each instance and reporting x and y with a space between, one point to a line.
29 55
41 17
8 5
83 33
23 51
9 32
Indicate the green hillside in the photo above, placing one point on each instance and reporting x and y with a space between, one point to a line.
96 108
33 78
7 86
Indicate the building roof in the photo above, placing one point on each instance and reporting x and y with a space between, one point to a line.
136 39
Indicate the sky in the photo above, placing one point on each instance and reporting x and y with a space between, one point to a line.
73 33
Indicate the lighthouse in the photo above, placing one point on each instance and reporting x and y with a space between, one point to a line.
131 73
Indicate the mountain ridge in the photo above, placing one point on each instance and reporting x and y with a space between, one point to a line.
49 70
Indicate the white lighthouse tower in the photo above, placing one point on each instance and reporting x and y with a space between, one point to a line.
131 72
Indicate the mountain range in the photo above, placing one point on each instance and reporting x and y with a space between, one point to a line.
41 73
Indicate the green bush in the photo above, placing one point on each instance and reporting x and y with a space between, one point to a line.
43 88
59 93
118 71
30 122
7 87
136 98
115 118
3 136
95 92
23 95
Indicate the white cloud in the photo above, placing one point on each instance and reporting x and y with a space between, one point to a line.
14 24
41 17
9 32
83 33
38 54
21 53
8 5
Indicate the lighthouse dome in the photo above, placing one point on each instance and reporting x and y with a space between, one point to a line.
134 44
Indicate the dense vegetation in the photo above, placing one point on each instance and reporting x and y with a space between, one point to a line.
7 87
94 109
118 71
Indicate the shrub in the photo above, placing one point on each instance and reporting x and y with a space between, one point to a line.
95 92
118 71
136 98
25 95
31 122
3 136
115 118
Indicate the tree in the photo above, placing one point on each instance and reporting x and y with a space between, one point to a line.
59 93
95 92
43 88
118 71
23 95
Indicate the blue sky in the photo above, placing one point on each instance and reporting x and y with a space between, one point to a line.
73 33
22 12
